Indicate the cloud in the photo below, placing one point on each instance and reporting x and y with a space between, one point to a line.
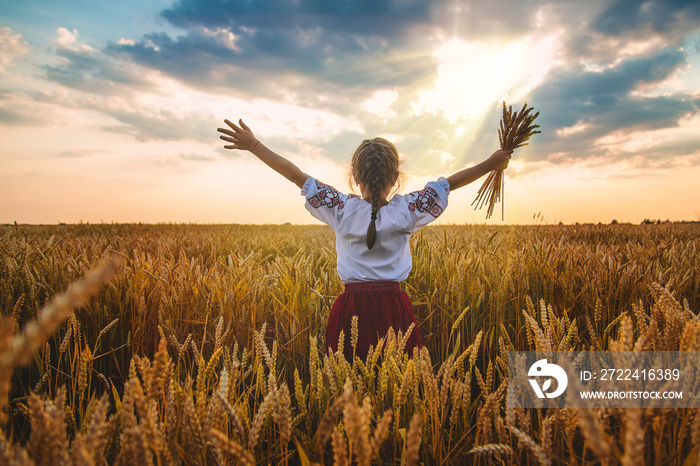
12 46
579 106
157 124
82 153
144 104
287 65
335 56
197 157
87 69
496 19
183 162
66 39
299 52
424 139
665 17
19 108
361 21
604 32
379 18
355 46
138 116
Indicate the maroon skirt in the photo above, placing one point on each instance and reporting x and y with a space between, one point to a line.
378 306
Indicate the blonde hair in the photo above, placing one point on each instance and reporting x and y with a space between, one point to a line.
375 165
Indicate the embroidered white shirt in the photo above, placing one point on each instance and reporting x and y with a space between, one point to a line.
349 216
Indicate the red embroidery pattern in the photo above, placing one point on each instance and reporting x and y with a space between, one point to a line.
425 202
326 195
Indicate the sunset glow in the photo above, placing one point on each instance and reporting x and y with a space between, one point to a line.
111 114
472 76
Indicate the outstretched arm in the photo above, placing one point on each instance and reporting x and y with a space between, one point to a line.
498 161
243 139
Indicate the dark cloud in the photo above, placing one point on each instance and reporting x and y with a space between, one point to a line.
573 95
604 102
278 63
294 50
601 32
666 17
384 18
357 44
360 19
327 40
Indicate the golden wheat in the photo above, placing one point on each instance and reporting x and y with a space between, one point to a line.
253 380
515 130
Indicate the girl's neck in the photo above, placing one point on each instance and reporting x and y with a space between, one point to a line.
382 203
368 198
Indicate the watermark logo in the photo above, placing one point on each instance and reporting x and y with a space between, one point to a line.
603 379
543 369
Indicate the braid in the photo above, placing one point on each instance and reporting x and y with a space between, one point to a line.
375 165
375 189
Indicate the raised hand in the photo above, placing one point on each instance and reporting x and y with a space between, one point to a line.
500 159
241 136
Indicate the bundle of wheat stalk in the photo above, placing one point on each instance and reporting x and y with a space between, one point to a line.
516 129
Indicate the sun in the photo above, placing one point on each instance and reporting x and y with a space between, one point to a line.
472 76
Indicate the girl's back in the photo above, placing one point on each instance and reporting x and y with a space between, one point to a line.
348 215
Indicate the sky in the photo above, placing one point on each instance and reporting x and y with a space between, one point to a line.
109 110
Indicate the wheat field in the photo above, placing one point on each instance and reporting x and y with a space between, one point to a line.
203 344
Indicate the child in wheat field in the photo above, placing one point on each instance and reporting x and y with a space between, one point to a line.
372 232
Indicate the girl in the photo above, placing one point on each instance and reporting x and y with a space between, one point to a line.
372 232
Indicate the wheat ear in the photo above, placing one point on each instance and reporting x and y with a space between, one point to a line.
18 350
514 131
